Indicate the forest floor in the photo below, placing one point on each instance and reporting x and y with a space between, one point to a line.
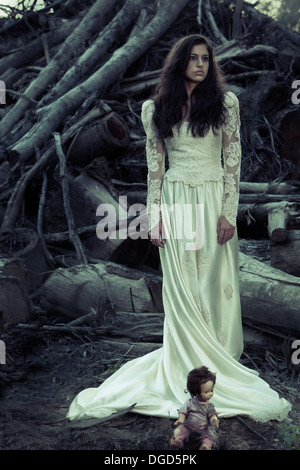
44 371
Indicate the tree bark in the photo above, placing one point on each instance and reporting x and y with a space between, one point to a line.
91 189
91 22
285 254
15 303
109 73
97 50
268 295
277 224
73 293
105 136
17 196
28 52
15 283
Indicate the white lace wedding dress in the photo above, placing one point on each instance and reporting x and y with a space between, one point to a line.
200 288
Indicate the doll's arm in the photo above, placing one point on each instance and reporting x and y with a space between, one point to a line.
214 421
180 419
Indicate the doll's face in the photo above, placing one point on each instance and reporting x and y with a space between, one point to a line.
207 390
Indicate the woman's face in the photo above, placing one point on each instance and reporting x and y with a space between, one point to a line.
198 64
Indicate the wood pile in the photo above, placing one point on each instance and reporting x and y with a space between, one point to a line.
75 75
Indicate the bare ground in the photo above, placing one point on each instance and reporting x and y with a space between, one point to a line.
44 370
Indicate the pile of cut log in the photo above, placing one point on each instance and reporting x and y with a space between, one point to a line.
75 75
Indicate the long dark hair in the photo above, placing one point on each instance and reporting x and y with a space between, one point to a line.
207 100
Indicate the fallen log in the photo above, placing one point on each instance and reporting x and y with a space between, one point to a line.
74 292
91 190
113 70
15 304
122 326
264 198
277 224
24 244
106 136
26 53
17 196
90 23
81 256
268 295
285 251
97 50
260 212
14 267
287 187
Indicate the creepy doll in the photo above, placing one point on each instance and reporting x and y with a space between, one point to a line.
197 414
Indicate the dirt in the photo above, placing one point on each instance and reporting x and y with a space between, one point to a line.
44 370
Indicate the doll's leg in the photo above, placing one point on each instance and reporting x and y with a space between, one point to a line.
180 434
208 440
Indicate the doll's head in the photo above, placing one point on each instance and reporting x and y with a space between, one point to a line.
201 381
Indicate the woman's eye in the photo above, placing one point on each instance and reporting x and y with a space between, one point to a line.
192 57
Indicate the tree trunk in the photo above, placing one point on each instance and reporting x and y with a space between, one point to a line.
17 196
15 305
105 136
111 71
92 21
14 267
285 253
74 292
260 212
26 54
277 224
91 189
96 52
268 295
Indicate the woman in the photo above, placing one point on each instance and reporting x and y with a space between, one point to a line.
192 214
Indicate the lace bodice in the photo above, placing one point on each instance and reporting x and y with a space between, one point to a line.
194 160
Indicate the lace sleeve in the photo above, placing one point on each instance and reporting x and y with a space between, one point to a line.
155 153
231 147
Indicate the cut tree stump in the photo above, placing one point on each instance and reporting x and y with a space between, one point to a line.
277 224
106 136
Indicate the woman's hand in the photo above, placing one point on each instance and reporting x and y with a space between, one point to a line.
225 230
156 235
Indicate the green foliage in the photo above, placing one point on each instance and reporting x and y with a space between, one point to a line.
290 434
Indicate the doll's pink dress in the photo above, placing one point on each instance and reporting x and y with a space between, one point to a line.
197 416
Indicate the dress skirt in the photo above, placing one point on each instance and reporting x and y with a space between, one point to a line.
202 323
